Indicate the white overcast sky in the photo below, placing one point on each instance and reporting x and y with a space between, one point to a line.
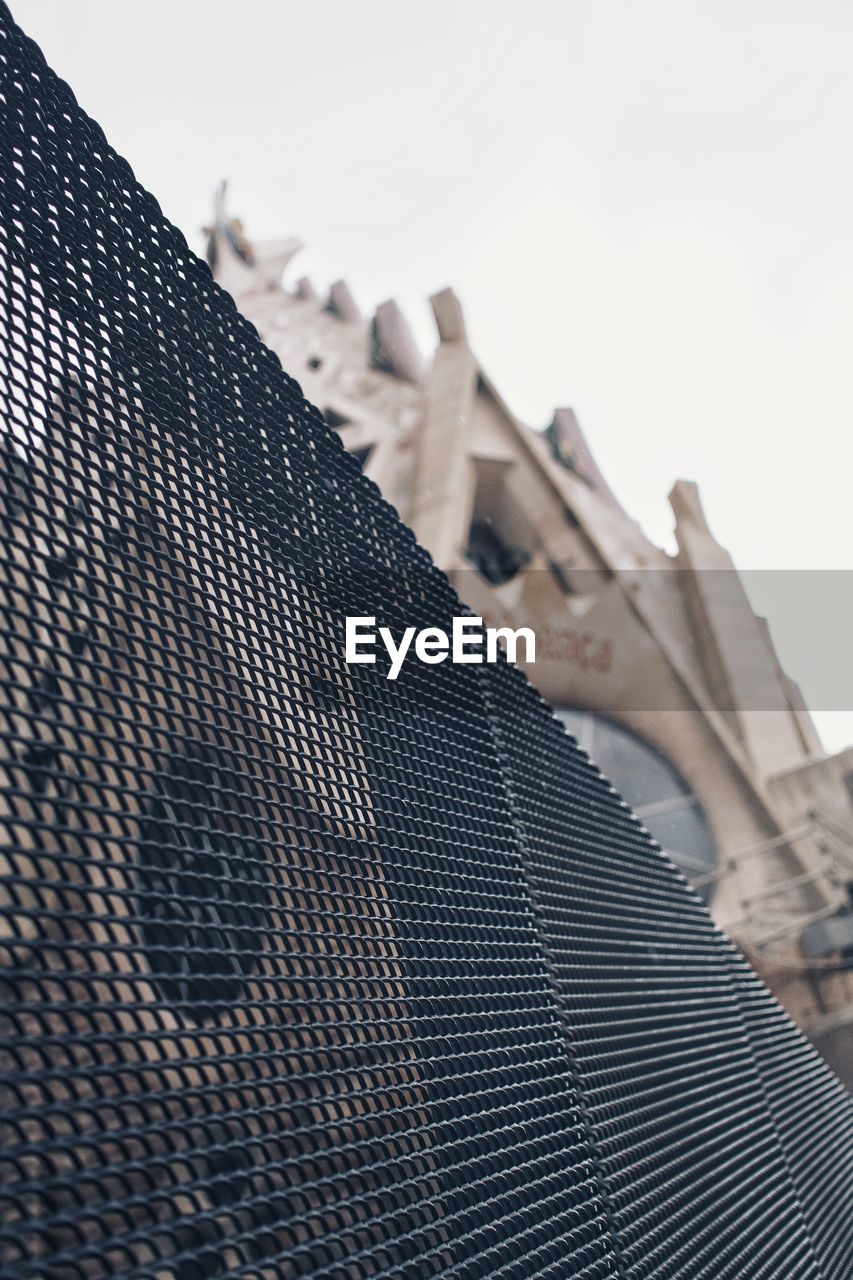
646 207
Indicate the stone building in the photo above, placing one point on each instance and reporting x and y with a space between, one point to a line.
656 662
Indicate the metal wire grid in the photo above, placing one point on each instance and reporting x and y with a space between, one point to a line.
307 974
672 1036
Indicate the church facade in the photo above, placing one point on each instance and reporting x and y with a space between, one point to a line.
657 663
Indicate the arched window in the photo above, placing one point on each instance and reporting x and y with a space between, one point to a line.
652 786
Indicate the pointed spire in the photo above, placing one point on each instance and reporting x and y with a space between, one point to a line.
686 504
219 202
305 289
392 344
341 303
449 318
748 685
225 233
570 448
236 262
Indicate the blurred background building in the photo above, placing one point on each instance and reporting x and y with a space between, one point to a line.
657 663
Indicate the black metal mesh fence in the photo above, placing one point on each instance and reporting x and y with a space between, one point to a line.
307 973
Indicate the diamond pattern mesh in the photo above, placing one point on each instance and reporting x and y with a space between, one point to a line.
306 973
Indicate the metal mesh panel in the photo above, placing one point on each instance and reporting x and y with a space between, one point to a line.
697 1176
812 1116
307 973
